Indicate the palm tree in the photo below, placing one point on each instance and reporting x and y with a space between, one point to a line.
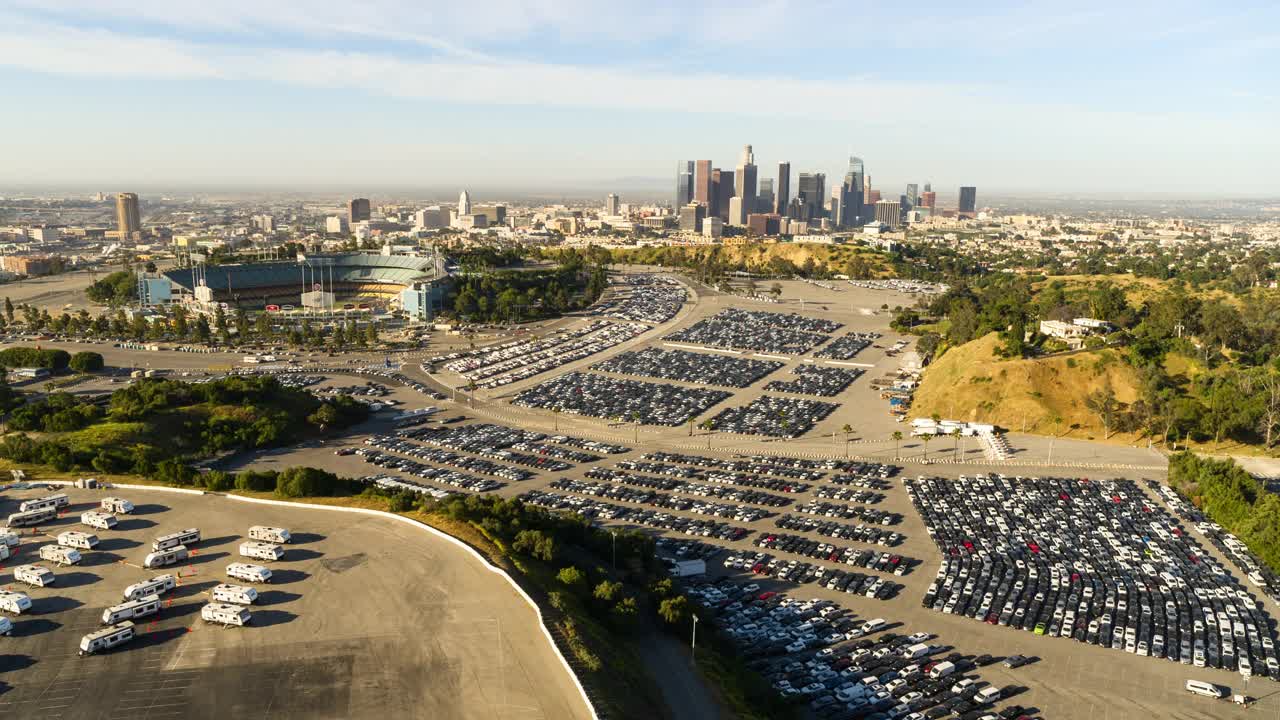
471 388
926 438
708 425
635 419
847 430
897 438
555 413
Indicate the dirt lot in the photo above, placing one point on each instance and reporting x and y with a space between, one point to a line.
364 618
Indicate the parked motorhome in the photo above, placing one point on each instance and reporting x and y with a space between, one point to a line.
116 505
142 607
165 558
6 626
235 594
249 573
34 575
60 555
261 551
187 537
77 539
14 602
279 536
9 539
225 614
106 639
99 520
57 502
157 585
4 552
31 518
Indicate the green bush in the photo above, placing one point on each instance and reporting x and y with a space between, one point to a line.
86 362
17 357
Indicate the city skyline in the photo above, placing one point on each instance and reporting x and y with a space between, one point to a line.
1032 98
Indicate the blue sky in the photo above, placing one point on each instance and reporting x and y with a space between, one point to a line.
1033 96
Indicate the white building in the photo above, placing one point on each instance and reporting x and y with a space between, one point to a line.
712 227
464 204
335 224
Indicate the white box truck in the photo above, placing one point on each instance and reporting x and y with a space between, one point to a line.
261 551
116 505
249 573
157 585
128 610
31 518
688 568
14 602
34 575
77 539
279 536
224 614
187 537
56 502
99 520
60 555
234 594
106 639
165 558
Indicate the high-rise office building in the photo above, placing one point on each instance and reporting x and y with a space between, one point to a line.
611 204
928 198
691 217
703 186
358 210
783 193
745 183
684 184
811 192
928 187
913 195
127 218
889 212
968 200
737 212
764 197
723 181
464 203
866 191
873 197
851 212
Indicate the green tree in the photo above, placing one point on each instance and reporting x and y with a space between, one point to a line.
674 610
572 577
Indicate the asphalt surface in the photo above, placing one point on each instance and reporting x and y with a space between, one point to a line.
364 618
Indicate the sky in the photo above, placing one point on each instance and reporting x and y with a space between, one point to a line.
1085 96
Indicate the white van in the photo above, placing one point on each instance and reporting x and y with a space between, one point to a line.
34 575
873 625
116 505
234 594
56 502
249 573
261 551
9 539
225 614
276 535
942 669
106 639
60 555
165 558
918 650
1205 689
14 602
191 536
987 695
99 520
157 585
142 607
77 539
30 518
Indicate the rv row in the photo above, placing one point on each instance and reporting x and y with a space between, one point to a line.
166 550
40 576
42 510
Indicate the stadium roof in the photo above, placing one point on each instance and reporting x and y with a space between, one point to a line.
347 268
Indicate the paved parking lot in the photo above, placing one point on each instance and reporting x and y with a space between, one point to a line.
365 618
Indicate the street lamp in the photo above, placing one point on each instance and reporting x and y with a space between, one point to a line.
693 643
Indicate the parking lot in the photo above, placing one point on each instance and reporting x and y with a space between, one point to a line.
618 399
332 636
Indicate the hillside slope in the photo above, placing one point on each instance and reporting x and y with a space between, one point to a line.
969 382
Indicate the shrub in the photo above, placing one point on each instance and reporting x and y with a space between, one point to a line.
86 362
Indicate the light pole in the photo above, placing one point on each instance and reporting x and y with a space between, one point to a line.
614 534
693 643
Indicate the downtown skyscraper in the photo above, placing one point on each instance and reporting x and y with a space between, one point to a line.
852 213
684 184
745 186
782 189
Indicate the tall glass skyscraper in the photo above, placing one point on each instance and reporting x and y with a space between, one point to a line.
851 205
684 184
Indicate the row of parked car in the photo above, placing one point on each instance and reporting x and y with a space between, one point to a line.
690 367
857 557
841 531
724 492
523 360
602 396
849 493
414 468
759 465
846 347
816 380
774 416
1095 561
595 509
613 491
763 332
648 297
822 508
440 456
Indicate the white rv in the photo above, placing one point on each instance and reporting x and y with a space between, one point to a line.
34 575
116 505
249 573
29 518
9 539
276 535
14 602
60 555
165 558
4 552
157 585
190 536
77 539
235 594
6 627
142 607
225 614
99 520
57 502
261 551
106 639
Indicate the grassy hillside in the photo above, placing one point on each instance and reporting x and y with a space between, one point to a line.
762 256
969 382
